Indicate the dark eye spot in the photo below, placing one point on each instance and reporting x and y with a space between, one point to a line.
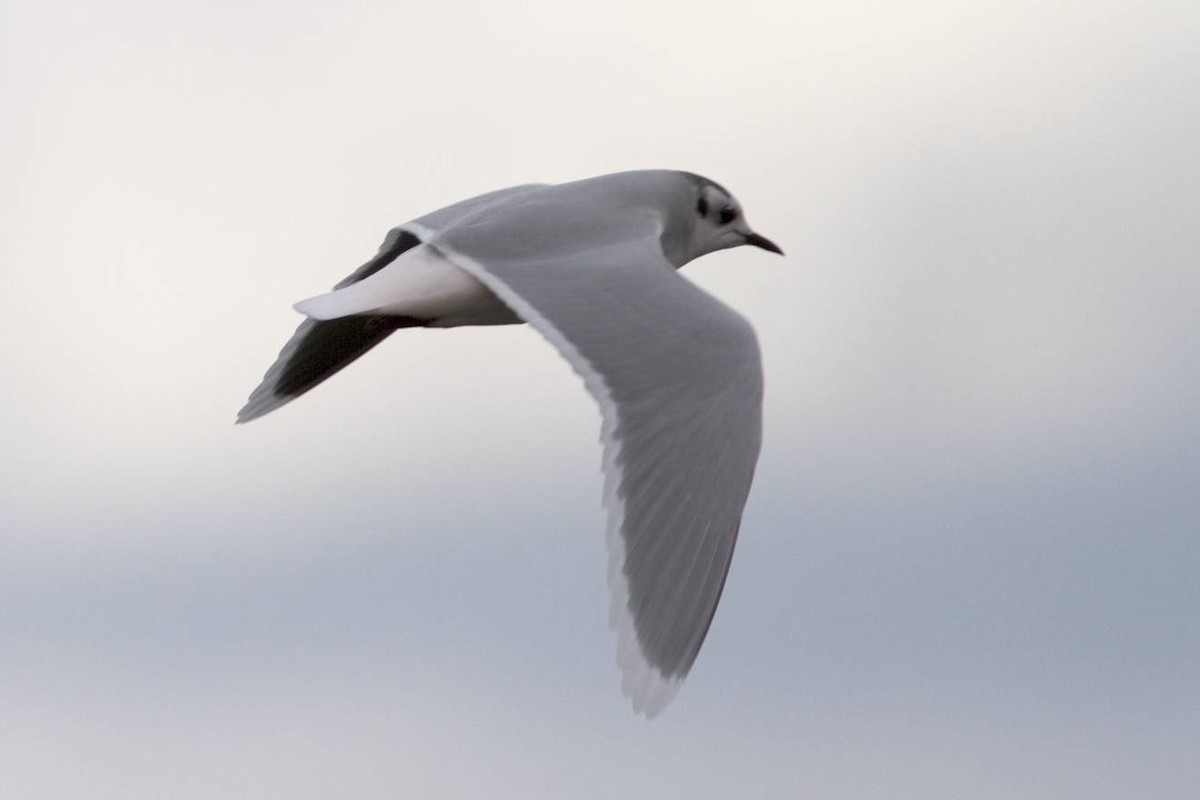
702 207
728 214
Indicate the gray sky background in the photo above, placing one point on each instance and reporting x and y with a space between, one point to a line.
969 564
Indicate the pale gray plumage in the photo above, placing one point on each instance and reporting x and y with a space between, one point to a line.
677 374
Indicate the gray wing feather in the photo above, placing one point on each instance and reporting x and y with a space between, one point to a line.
678 378
399 239
465 211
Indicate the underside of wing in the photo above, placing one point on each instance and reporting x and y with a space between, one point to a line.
678 379
321 348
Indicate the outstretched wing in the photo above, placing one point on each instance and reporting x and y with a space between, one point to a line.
321 348
678 378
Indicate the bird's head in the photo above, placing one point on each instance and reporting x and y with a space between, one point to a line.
717 221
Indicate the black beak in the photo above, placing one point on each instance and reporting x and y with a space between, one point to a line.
763 242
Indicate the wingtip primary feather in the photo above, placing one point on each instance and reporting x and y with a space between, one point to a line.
649 690
262 401
317 351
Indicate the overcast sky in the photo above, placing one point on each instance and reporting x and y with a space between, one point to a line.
969 564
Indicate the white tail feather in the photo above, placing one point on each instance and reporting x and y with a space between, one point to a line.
420 283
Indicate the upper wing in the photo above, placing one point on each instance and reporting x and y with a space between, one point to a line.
398 240
678 378
471 209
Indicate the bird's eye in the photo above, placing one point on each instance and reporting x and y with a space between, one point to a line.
728 214
702 207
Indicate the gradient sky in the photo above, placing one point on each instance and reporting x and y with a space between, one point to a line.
969 565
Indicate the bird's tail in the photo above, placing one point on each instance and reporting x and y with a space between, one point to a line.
317 350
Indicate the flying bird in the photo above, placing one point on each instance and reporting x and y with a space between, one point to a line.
592 266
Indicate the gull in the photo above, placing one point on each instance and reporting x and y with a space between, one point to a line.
592 266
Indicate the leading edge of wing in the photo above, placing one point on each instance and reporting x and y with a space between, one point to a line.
649 685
